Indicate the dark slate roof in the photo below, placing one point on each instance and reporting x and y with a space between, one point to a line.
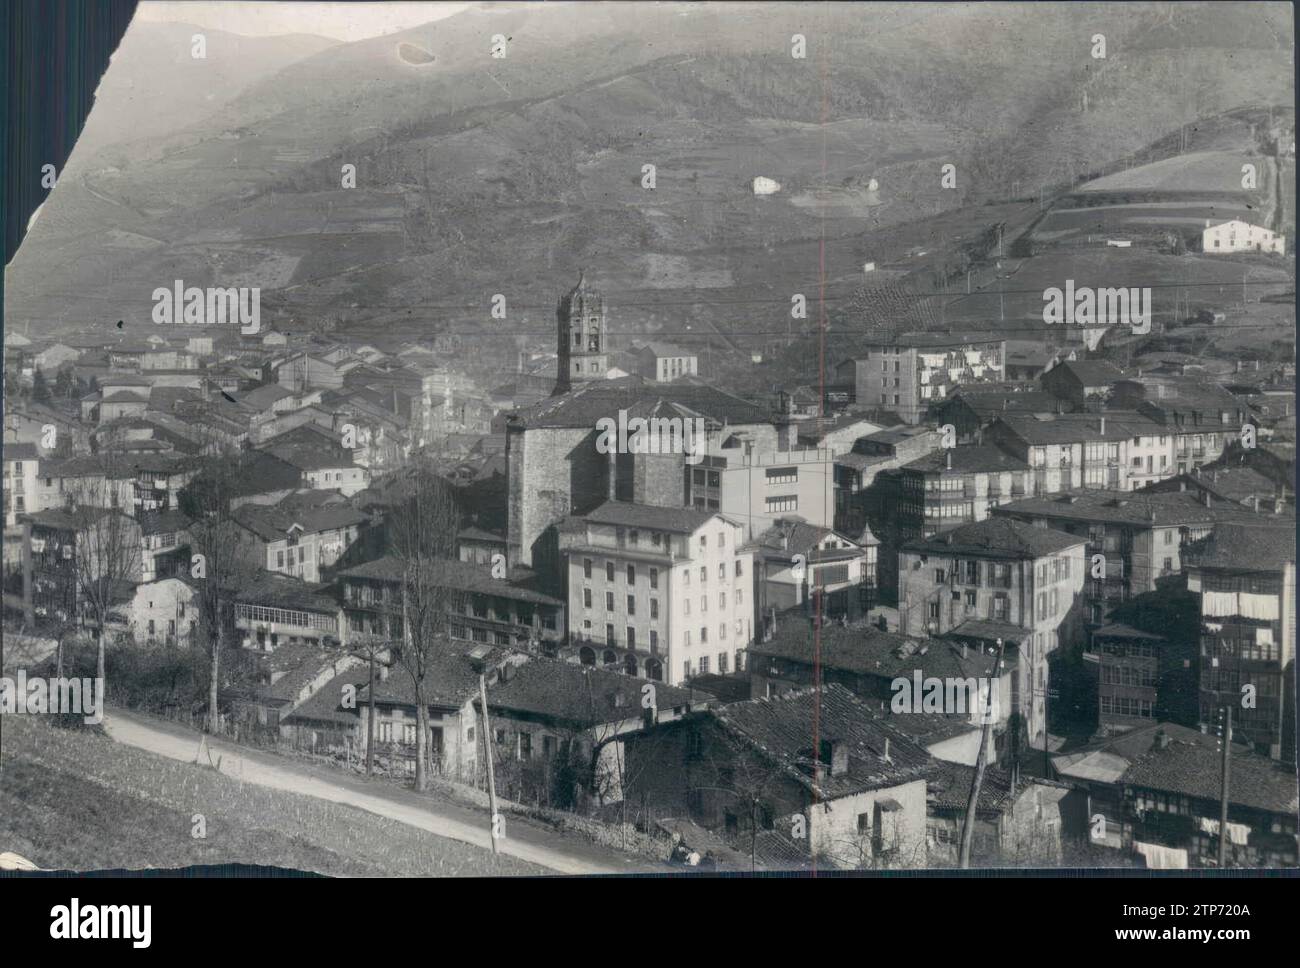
326 703
1262 546
1073 428
782 730
1150 508
948 788
967 459
581 695
18 451
158 522
652 517
997 537
274 522
1189 765
1091 373
586 405
284 591
868 651
459 575
449 683
987 402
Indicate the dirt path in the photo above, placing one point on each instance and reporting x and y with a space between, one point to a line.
523 840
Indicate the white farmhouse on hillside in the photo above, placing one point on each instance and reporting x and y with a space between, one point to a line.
1239 236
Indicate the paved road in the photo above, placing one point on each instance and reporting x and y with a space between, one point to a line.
526 841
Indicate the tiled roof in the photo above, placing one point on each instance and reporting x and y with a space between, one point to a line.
586 405
868 651
581 695
948 788
273 523
967 459
1262 546
458 575
325 704
1190 765
997 537
782 730
449 683
1091 373
17 451
1149 508
158 522
676 519
1073 428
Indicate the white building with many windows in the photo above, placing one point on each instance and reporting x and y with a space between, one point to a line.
1239 236
664 593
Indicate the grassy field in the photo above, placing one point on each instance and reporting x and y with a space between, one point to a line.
74 800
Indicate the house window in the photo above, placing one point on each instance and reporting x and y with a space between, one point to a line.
586 568
609 601
654 577
631 574
722 662
609 571
704 635
739 568
586 598
654 608
631 604
704 665
525 746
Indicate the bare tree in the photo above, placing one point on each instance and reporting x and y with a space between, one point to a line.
220 562
421 534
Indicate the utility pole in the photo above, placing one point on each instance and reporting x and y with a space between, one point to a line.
968 827
487 748
370 720
1223 789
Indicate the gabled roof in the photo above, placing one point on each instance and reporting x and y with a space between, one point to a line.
274 522
1089 373
1264 545
584 406
651 517
1189 765
866 650
781 730
1074 428
997 537
967 459
1147 508
458 575
581 695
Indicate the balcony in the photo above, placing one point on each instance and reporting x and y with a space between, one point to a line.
289 620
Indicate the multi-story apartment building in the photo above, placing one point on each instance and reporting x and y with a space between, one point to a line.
1245 577
21 471
1141 536
1113 450
1128 677
664 593
664 363
297 539
908 375
280 611
797 563
1201 419
500 611
998 578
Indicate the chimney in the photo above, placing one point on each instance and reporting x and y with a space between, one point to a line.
1162 739
887 757
963 650
948 460
836 753
1208 501
1103 425
1254 503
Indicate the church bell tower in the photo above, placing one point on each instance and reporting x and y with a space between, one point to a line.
582 351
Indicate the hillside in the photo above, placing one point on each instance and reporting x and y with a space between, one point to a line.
479 175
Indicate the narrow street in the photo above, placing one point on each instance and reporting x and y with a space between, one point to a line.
524 840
